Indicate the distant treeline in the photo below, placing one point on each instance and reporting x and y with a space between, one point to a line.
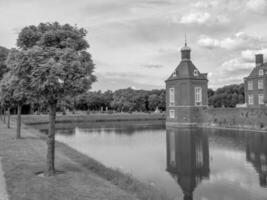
227 96
122 100
130 100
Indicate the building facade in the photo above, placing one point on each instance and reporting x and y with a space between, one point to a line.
256 84
186 93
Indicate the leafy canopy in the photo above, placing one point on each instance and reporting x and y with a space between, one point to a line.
53 61
16 87
3 56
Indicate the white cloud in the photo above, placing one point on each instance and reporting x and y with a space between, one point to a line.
201 4
208 42
239 41
195 18
231 72
257 5
206 4
234 65
223 19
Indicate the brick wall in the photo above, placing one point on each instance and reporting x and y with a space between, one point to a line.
251 118
241 118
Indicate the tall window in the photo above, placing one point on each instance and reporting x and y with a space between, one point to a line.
172 114
172 98
195 72
260 99
260 84
260 72
198 96
250 99
250 85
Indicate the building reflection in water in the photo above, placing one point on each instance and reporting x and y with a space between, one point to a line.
187 158
256 153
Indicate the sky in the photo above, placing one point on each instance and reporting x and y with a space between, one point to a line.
136 43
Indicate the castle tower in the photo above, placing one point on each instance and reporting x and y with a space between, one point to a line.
186 93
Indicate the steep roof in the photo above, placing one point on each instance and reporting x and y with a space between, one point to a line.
255 71
186 70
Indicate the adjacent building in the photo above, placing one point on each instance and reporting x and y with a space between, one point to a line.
256 84
186 93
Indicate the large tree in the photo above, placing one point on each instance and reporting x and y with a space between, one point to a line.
3 56
17 88
6 93
54 64
3 69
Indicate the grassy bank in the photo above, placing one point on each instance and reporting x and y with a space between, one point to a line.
40 119
83 177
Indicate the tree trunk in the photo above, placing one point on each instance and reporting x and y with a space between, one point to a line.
4 114
31 108
8 117
18 136
39 110
50 163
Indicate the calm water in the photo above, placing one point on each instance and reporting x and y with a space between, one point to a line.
199 164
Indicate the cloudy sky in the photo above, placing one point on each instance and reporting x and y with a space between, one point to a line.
136 43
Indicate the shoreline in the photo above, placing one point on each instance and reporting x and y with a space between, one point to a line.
43 119
127 117
83 176
216 126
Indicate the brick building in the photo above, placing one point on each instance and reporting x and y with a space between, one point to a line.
256 84
186 93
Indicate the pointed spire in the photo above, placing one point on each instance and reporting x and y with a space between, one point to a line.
185 41
185 50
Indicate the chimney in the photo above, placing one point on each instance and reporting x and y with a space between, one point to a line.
259 59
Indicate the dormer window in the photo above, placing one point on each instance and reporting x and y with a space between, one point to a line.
174 74
195 72
261 72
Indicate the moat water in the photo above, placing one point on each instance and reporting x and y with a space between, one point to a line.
199 164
